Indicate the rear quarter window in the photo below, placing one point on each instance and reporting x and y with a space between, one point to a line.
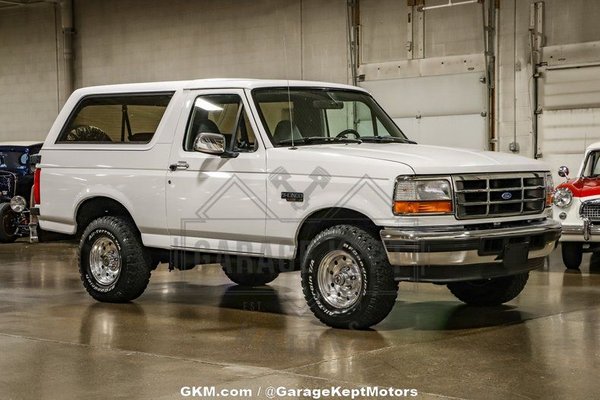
116 119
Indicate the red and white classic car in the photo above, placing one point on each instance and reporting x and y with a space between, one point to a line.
577 207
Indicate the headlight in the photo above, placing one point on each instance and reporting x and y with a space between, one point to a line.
423 196
549 189
563 197
18 204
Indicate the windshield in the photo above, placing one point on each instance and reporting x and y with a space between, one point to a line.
592 166
302 116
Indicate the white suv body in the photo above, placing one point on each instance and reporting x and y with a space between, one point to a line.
257 179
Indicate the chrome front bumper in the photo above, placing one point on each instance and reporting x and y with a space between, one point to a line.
587 232
455 246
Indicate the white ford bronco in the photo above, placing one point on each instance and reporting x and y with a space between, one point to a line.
266 176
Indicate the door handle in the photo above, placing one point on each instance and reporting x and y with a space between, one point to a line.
179 165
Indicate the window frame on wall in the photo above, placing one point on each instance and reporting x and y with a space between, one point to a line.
125 124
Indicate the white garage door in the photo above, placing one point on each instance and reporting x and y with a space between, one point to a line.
570 118
444 110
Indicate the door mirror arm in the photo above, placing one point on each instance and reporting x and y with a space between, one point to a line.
229 154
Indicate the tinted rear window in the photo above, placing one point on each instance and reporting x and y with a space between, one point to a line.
116 119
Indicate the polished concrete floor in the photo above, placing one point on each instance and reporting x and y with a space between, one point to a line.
195 328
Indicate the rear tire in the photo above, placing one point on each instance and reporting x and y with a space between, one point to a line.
113 263
489 292
347 279
8 224
250 272
572 254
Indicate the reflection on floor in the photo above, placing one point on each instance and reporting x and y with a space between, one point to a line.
195 328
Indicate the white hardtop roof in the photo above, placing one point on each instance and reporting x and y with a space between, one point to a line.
208 84
21 144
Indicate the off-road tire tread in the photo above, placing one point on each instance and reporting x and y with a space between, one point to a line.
504 290
135 273
4 237
250 279
383 287
572 254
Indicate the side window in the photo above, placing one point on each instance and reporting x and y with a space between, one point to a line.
224 114
116 119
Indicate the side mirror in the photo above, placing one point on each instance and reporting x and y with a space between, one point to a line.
210 143
563 172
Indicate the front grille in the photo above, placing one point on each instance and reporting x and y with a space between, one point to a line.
499 195
590 210
7 184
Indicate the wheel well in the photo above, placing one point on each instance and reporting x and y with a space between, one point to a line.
97 207
327 218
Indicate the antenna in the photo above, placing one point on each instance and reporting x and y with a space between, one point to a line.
287 72
291 115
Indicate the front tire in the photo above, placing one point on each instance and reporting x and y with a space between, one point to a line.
8 224
346 278
113 263
250 272
572 254
489 292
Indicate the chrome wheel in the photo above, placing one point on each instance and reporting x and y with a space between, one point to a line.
105 261
340 279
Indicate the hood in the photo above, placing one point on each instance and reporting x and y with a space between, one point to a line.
433 160
583 187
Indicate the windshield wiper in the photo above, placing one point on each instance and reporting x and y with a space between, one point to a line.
386 139
318 139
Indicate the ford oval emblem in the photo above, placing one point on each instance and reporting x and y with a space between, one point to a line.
507 195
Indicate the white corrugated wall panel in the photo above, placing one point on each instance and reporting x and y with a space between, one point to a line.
438 110
570 118
440 130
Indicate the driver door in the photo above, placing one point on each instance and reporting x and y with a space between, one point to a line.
217 204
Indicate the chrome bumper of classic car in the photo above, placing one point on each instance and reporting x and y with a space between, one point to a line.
464 245
587 229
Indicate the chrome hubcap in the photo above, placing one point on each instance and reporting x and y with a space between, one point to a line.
340 279
105 261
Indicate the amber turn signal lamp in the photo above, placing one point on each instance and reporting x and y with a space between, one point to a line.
423 207
549 199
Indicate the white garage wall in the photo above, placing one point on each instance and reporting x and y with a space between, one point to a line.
436 100
140 40
120 41
565 22
443 110
570 117
28 72
448 31
458 31
148 40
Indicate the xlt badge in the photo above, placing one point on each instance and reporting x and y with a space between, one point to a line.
294 197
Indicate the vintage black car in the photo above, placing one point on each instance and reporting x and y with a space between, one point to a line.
16 181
